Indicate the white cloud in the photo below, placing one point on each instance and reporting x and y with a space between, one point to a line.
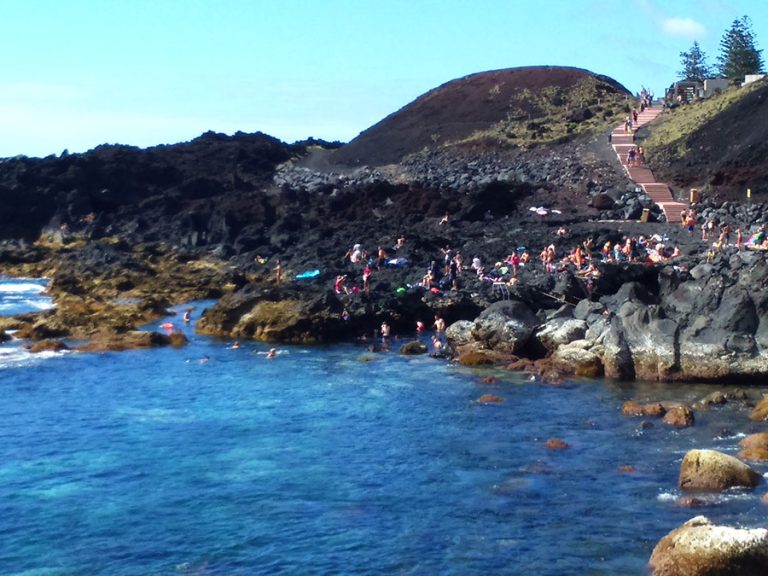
683 27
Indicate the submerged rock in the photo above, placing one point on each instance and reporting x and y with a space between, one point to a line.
413 348
115 342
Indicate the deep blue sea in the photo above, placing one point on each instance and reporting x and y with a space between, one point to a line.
208 460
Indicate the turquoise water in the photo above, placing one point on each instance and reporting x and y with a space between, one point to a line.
208 460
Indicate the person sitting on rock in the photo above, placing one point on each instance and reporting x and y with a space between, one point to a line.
340 286
381 258
356 254
428 280
477 265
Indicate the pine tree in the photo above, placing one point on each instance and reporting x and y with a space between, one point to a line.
738 52
694 62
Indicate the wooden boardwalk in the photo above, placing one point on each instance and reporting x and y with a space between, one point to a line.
641 174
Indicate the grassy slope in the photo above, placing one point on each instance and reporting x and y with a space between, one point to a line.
671 131
554 114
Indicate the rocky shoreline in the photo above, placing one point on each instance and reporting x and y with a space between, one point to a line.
700 316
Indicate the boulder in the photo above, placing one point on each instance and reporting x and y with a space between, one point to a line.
48 345
754 447
587 308
4 337
43 329
718 398
760 413
505 326
602 201
459 333
679 417
274 316
413 348
701 548
577 361
652 340
560 331
713 471
476 358
617 357
649 410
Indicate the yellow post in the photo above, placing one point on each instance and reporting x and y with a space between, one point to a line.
749 193
694 195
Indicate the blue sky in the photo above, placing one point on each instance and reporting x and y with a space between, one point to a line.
78 73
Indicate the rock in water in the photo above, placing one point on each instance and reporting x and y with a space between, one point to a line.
680 417
754 447
700 548
713 471
505 326
413 348
576 361
760 412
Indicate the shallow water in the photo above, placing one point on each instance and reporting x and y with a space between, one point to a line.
208 460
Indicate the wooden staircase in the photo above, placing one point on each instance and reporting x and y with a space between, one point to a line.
659 192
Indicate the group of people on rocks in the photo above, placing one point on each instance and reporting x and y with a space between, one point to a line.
722 235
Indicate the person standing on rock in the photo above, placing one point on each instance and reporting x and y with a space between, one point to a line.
278 270
439 324
726 231
453 274
367 278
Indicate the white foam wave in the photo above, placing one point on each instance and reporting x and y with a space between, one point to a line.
15 356
14 303
21 287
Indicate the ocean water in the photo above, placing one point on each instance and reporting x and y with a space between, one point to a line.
208 460
21 295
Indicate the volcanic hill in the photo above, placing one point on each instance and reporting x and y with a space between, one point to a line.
511 107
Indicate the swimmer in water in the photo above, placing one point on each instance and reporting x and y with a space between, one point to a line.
235 345
187 317
272 353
